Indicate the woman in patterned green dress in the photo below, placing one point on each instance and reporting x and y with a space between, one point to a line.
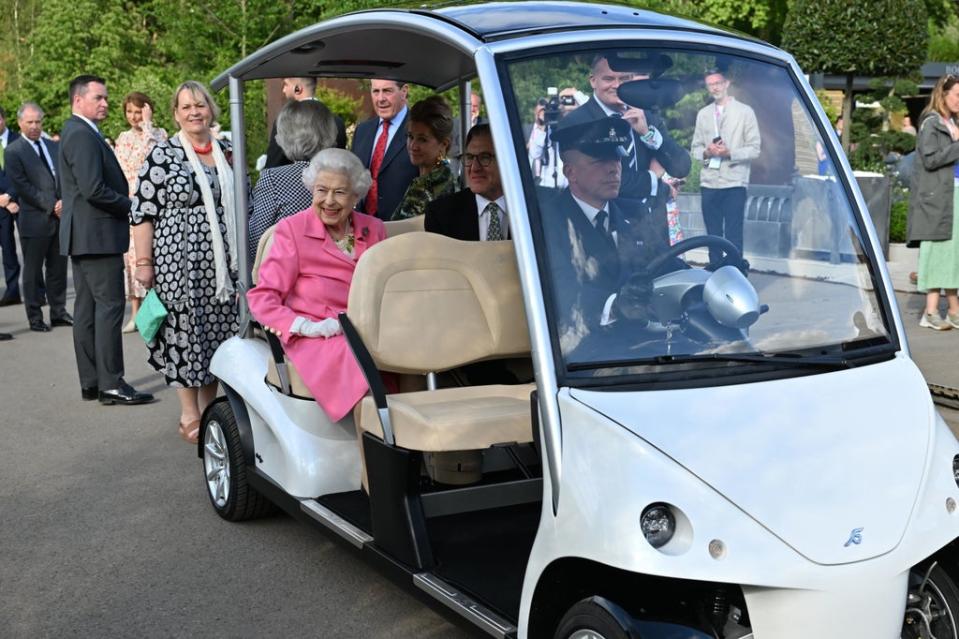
427 141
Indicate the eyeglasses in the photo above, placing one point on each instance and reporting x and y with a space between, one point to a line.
485 159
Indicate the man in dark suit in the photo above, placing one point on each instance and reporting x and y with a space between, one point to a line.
650 146
299 89
30 167
479 211
8 211
599 243
94 232
380 143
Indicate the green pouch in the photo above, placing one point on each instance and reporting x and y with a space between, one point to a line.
150 316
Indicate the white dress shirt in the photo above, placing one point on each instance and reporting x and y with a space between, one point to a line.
46 154
395 122
481 204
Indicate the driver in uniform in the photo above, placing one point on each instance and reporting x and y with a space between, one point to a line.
600 243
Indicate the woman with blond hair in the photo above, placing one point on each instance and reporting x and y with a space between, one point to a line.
933 207
185 233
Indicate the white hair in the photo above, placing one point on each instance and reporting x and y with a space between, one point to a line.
305 128
339 161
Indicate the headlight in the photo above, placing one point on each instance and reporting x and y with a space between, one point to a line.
658 524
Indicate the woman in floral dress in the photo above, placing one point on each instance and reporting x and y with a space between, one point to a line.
131 148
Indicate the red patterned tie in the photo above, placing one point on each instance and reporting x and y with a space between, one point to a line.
378 152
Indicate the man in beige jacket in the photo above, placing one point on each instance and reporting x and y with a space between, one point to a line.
726 139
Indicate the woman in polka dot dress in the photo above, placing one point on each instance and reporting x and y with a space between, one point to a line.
185 235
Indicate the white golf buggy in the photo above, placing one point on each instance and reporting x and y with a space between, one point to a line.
761 460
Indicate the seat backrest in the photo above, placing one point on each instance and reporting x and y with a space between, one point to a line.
423 303
408 225
262 248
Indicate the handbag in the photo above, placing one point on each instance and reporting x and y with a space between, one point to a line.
150 316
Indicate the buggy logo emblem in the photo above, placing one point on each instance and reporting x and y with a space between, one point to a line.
855 537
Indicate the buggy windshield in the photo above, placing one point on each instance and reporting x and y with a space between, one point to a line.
688 210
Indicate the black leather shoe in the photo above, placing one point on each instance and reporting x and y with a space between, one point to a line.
39 326
124 394
66 320
90 394
13 301
5 337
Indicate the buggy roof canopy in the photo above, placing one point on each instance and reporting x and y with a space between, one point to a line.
430 47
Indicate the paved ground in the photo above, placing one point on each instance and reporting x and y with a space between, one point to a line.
105 529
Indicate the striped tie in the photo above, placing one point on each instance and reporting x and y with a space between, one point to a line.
631 149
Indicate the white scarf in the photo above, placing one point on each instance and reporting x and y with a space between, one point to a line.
224 286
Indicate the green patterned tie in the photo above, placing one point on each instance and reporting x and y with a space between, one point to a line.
494 232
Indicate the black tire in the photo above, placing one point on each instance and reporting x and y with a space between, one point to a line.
938 601
589 620
221 435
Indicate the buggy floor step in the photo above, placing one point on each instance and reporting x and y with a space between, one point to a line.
483 617
334 522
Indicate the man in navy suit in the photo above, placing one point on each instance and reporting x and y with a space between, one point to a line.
30 165
8 210
392 171
650 146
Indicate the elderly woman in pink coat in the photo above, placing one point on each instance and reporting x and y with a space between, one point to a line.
304 282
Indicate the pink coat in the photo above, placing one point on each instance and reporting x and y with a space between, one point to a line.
306 275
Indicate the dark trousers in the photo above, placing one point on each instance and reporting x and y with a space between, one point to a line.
98 318
723 213
40 253
8 246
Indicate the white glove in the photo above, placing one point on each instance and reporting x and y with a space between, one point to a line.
308 328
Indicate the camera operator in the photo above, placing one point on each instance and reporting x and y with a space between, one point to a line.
543 152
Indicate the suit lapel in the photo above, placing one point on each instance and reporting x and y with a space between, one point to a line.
364 138
594 244
397 144
471 221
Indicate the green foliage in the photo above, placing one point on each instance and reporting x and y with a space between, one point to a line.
897 218
761 18
944 41
339 103
866 37
831 111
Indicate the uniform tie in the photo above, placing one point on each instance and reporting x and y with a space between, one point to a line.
600 222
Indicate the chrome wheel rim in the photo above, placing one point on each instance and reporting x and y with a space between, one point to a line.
586 633
216 464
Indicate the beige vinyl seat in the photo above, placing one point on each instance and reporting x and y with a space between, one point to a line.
297 387
426 303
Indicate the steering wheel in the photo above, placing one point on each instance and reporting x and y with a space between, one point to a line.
733 254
